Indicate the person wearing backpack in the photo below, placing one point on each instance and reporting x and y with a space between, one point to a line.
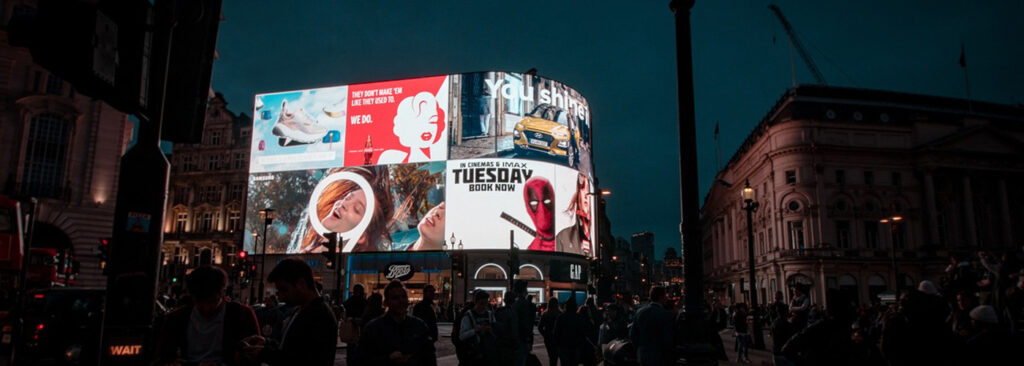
476 333
460 351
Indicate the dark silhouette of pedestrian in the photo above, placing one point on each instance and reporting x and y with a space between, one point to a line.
397 338
547 330
310 335
425 311
570 334
652 333
210 329
476 332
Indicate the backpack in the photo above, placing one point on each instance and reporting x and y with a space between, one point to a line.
457 328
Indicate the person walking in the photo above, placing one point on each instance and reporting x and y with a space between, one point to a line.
525 312
591 348
547 330
424 310
397 338
476 333
800 306
739 321
355 310
209 330
650 334
460 348
570 334
310 334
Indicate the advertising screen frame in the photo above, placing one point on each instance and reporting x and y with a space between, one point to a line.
527 136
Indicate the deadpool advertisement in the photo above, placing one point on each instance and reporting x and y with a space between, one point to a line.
487 198
401 121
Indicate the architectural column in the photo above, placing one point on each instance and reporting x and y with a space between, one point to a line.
972 230
930 207
1004 212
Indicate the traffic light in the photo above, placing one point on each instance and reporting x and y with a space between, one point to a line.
104 253
457 265
332 250
242 254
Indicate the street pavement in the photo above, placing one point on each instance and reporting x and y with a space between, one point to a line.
446 351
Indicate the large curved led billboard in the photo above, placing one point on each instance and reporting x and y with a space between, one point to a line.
414 164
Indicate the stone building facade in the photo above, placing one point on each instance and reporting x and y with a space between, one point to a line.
62 148
206 198
829 164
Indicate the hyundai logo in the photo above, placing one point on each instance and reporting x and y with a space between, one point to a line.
537 135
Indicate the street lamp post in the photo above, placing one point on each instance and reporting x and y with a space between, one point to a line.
750 206
252 286
893 222
267 215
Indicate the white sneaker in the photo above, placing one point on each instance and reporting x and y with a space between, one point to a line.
297 126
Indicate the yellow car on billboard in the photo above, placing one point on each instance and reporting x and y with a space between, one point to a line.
545 130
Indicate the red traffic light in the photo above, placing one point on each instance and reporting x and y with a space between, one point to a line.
242 255
104 241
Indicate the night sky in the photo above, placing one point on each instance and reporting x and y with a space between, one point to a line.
622 59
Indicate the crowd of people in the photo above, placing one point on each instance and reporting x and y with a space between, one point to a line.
973 315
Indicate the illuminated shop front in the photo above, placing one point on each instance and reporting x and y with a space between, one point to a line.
546 275
415 270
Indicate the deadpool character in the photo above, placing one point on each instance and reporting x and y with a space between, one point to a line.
540 204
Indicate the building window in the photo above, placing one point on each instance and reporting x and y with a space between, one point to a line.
205 222
871 234
869 178
188 163
243 134
209 194
237 192
843 234
794 205
897 179
181 195
240 160
840 176
214 138
182 219
36 81
234 220
796 235
45 155
211 162
770 247
791 177
54 85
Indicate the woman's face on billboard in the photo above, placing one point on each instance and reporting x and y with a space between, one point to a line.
431 227
584 196
346 212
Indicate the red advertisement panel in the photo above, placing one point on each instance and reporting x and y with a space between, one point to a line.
401 121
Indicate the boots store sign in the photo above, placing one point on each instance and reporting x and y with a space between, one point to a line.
398 271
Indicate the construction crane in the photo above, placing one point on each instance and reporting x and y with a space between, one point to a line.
799 46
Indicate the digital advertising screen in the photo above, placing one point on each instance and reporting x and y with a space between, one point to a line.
414 164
